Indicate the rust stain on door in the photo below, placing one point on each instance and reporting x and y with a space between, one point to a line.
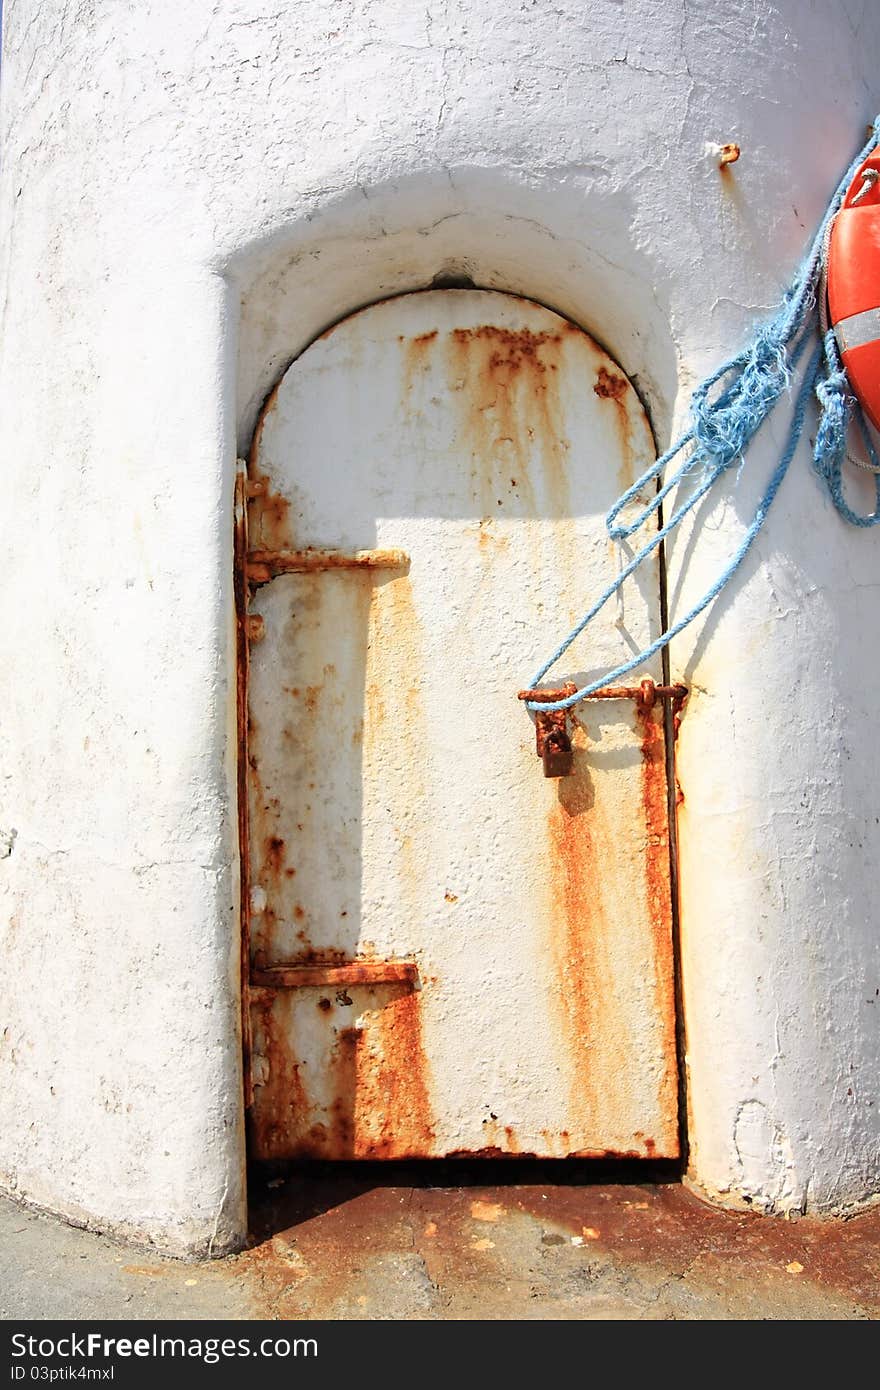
489 954
361 1085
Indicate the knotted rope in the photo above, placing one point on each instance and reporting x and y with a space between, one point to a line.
726 411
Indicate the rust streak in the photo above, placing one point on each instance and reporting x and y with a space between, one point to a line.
507 383
655 800
501 1141
393 1114
576 930
616 389
280 1096
378 1102
273 855
240 545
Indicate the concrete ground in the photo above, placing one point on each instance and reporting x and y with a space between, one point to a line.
380 1243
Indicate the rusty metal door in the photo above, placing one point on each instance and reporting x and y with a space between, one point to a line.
450 954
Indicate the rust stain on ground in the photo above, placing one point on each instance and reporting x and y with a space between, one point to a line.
626 1238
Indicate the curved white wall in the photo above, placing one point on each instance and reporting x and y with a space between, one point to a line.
188 197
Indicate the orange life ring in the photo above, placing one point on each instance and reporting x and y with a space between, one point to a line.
853 270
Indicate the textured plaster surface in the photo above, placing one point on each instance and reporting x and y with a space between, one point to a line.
191 194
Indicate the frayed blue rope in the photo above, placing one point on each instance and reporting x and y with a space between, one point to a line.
837 408
727 410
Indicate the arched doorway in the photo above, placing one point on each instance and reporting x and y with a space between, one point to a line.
448 953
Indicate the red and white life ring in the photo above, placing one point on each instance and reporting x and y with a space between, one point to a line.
853 278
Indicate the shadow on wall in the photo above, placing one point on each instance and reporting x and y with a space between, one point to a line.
562 243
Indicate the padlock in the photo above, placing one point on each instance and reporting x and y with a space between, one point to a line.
557 754
552 742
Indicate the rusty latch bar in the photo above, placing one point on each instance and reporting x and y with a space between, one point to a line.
552 740
355 972
646 694
263 565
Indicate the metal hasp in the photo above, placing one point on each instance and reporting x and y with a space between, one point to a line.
352 972
552 739
263 565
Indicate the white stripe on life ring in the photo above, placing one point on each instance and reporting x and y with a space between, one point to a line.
858 329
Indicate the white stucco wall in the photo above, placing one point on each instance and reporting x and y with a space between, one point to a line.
189 195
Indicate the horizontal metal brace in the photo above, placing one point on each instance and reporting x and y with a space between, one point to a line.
355 972
263 565
645 694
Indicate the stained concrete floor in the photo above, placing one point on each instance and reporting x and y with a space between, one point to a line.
362 1243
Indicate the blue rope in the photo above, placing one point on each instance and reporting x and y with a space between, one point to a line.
727 410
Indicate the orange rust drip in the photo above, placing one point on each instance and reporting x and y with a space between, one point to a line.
393 1113
512 347
512 419
655 800
380 1087
274 850
280 1100
614 388
502 1141
576 926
